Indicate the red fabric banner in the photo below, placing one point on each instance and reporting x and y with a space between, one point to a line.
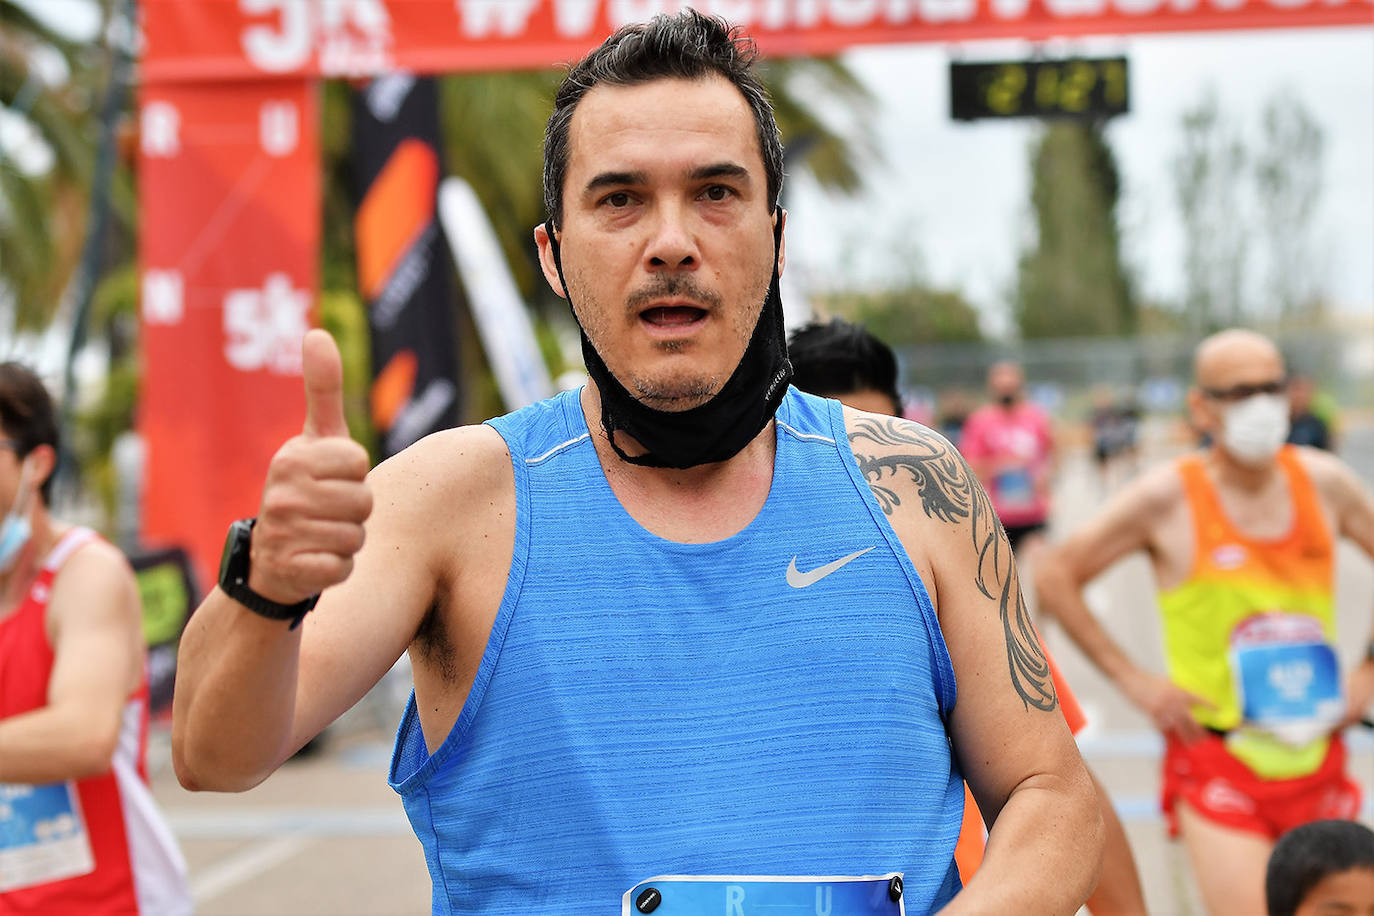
230 192
231 39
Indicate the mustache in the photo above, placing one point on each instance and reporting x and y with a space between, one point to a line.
672 285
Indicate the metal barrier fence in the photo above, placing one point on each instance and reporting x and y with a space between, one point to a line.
1063 374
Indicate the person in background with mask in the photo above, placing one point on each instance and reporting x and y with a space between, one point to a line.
1241 536
78 829
842 360
1010 446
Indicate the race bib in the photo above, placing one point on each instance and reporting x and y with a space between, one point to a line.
1287 677
1015 489
760 895
42 835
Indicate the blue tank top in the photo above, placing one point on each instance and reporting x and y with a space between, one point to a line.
644 707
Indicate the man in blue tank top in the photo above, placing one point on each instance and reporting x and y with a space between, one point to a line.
685 640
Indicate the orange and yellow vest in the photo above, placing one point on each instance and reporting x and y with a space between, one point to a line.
1236 579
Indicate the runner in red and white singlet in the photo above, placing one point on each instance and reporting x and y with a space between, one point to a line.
79 832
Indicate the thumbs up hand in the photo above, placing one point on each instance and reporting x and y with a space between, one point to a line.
316 498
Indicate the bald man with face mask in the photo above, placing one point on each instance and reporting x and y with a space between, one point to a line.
1241 538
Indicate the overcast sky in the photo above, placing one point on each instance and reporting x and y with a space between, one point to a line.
957 193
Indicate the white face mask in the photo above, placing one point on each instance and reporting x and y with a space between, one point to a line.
1254 429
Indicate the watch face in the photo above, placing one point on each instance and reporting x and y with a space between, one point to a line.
233 562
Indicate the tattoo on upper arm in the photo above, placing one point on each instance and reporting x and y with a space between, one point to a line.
949 492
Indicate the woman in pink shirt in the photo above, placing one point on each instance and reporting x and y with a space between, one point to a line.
1009 445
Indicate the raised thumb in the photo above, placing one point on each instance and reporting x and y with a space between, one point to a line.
323 370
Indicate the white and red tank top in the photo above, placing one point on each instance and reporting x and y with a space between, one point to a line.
90 846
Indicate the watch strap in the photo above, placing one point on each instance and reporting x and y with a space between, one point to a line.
233 580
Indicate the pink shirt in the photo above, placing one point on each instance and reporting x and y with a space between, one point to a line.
1010 448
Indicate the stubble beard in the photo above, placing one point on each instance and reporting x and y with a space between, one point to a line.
679 390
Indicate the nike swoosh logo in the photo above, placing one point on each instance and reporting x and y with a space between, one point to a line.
798 579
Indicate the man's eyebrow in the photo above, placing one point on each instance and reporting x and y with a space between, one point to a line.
720 170
615 179
700 173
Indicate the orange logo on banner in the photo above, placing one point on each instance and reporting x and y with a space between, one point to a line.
392 388
397 208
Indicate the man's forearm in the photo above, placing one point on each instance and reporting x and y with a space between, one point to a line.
1360 688
1044 851
56 743
235 696
1062 597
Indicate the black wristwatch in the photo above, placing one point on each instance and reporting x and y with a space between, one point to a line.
233 578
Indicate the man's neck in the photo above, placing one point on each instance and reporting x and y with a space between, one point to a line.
1236 475
759 453
706 503
15 583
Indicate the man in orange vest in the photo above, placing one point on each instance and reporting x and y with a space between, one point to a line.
1241 538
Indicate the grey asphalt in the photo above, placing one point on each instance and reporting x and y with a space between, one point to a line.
325 834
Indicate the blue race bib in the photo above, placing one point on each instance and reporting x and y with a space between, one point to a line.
759 895
1015 489
1287 677
42 835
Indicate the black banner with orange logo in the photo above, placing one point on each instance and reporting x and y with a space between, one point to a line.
404 272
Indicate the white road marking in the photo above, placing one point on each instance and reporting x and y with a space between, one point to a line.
209 883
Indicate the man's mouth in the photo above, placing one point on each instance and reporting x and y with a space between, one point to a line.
672 316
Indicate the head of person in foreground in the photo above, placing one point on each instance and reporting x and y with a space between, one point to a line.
1325 868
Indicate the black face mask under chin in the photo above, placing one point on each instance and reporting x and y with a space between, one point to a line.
710 432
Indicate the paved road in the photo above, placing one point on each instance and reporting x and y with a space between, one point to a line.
325 835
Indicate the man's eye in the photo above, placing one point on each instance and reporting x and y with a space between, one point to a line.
618 199
718 192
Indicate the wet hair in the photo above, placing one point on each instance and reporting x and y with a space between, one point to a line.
27 414
839 357
691 46
1305 855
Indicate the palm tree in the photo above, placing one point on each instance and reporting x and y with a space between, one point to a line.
43 212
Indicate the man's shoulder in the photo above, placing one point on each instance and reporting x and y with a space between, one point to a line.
887 434
458 457
918 476
94 578
1331 475
1159 489
81 551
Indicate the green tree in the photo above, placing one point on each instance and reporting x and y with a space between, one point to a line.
911 314
1209 174
42 211
1288 179
1071 281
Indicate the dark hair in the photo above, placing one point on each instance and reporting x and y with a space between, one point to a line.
839 358
26 413
1305 855
690 45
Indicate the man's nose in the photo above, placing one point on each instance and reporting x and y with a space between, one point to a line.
672 243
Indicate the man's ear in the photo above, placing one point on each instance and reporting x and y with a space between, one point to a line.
42 461
546 259
1198 413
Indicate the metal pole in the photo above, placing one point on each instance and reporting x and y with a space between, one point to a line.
120 38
